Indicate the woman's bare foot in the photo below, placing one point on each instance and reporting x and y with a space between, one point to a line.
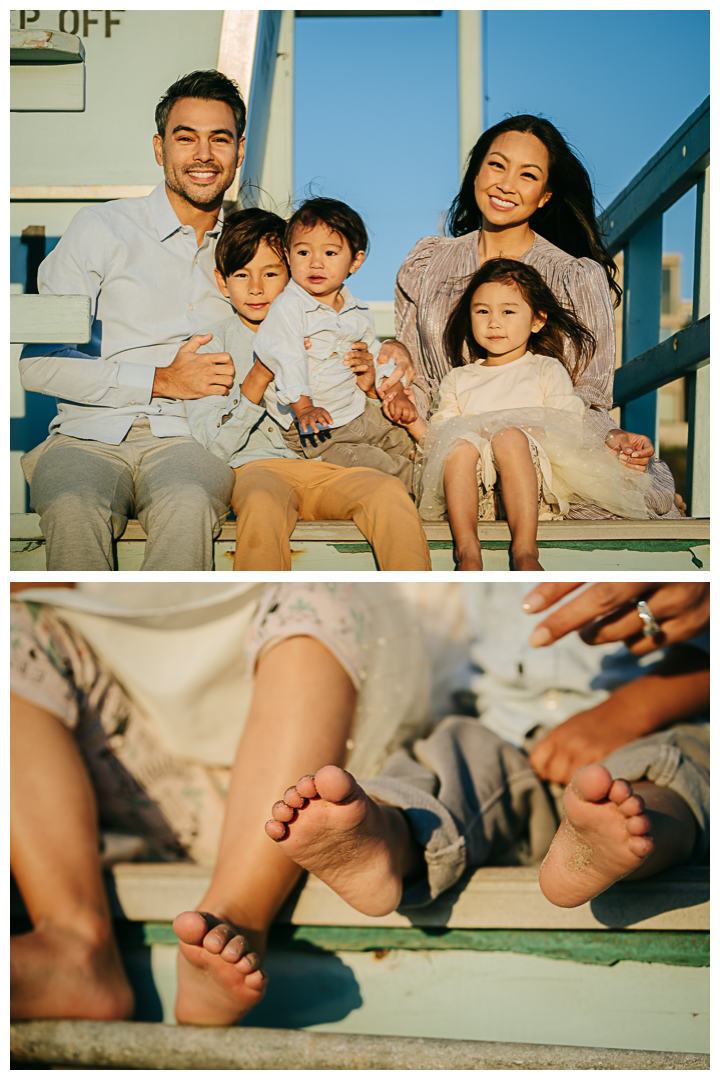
361 849
603 837
526 560
70 972
469 558
219 976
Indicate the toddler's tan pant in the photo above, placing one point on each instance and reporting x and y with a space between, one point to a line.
270 496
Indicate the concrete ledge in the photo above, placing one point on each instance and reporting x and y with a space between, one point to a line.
490 898
128 1045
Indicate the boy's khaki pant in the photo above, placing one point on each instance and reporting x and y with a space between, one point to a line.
270 496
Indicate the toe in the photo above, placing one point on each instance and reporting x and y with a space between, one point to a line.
256 980
190 927
638 826
620 791
282 812
592 782
250 962
334 784
235 949
631 807
306 787
276 830
218 938
640 846
293 798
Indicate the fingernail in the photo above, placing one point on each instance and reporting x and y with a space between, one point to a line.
540 637
532 603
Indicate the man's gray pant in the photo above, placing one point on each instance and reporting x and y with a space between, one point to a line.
85 491
469 795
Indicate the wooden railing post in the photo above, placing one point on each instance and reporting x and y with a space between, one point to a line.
641 318
698 384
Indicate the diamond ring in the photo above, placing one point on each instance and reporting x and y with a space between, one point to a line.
649 624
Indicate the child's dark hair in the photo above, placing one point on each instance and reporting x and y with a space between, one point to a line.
242 233
561 325
337 215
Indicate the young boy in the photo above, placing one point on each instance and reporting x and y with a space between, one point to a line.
325 242
627 735
273 487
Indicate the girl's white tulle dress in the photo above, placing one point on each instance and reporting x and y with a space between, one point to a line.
536 395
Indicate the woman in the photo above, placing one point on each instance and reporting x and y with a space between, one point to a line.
525 195
144 705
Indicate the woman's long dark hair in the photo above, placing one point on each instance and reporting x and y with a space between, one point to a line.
568 219
560 324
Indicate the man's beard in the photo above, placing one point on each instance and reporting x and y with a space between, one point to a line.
198 196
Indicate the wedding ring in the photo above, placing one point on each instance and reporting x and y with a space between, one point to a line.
649 624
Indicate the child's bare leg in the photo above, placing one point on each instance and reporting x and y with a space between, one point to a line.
461 495
361 849
520 495
301 714
68 965
612 830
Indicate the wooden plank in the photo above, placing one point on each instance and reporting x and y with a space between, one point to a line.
79 192
47 88
666 177
678 355
45 47
698 385
642 282
50 320
263 73
27 527
492 898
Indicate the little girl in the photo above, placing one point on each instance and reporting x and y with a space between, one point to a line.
508 409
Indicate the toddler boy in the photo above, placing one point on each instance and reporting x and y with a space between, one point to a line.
321 405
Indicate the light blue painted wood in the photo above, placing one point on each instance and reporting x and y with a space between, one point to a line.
698 387
49 319
261 95
678 355
668 175
641 318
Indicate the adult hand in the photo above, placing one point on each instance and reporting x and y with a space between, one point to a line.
583 739
632 451
395 350
195 375
607 611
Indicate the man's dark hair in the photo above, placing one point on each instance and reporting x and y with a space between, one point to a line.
208 86
241 236
337 215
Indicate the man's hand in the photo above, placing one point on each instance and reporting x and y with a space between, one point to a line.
607 612
583 739
195 375
256 382
632 451
394 350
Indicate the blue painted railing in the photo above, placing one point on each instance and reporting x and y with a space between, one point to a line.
633 224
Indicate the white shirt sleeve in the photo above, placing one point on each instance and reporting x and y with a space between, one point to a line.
280 344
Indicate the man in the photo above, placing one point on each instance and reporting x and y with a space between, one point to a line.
120 445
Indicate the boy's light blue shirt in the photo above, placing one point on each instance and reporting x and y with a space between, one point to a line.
317 373
151 288
234 428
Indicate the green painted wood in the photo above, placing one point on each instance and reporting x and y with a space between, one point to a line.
581 946
49 319
678 355
47 88
665 178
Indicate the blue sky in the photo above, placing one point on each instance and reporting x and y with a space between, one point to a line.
376 109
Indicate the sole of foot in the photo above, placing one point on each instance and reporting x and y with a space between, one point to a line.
329 826
57 972
219 975
602 838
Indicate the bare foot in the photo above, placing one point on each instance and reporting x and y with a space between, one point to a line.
469 559
525 560
361 849
603 837
219 976
68 972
